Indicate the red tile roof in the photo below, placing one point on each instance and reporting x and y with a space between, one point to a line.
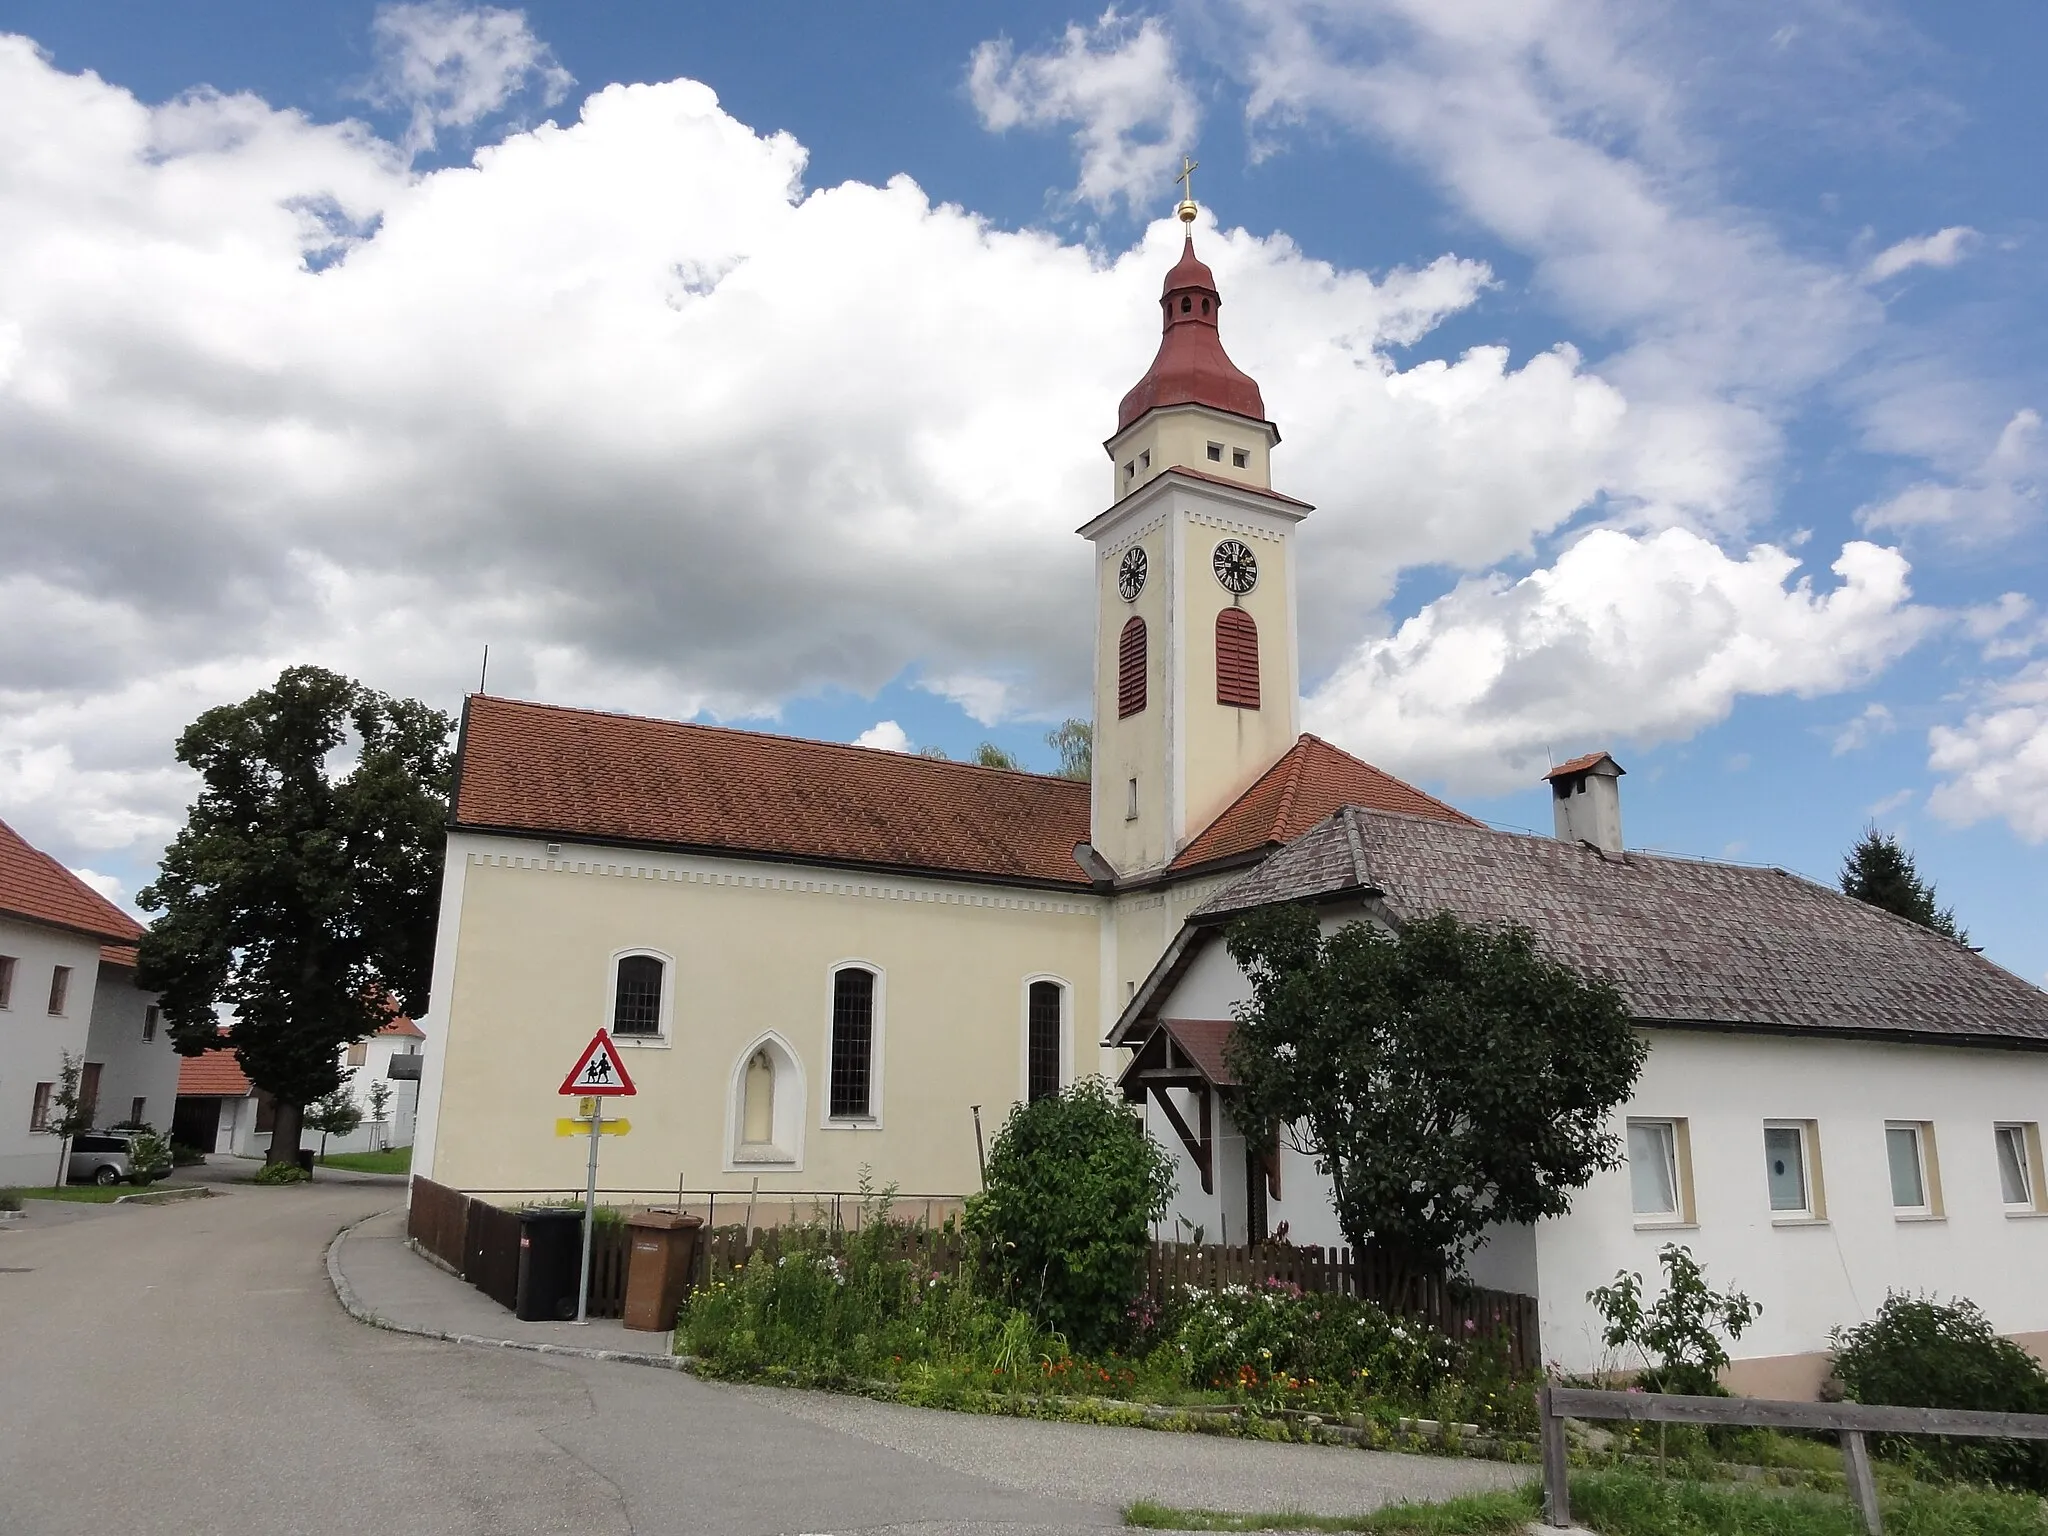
1301 790
215 1075
35 887
403 1026
1203 1041
118 954
1581 763
581 775
1191 367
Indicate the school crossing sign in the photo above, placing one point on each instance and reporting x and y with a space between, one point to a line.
598 1071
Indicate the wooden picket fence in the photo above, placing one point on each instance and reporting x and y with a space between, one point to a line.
480 1242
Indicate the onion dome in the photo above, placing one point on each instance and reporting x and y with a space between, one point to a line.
1192 368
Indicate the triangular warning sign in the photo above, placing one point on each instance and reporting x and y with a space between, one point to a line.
599 1071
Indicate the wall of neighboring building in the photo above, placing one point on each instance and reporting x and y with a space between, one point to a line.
1815 1274
33 1041
131 1067
523 978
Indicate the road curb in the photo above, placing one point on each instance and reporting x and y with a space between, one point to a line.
165 1196
351 1304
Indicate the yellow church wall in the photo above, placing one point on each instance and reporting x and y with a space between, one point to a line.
1182 435
1223 749
752 947
1133 747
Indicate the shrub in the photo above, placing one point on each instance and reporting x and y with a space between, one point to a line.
282 1173
1074 1184
1921 1353
1680 1336
9 1202
149 1156
183 1156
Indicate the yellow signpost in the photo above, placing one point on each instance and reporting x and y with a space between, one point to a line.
581 1127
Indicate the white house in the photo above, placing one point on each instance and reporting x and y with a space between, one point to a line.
366 1062
53 927
1837 1102
220 1110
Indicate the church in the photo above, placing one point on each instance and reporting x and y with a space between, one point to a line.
820 961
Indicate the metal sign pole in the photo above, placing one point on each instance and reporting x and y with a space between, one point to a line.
589 1210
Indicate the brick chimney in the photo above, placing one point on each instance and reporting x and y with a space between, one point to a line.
1586 797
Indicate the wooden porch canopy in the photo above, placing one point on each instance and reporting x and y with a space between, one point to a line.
1187 1054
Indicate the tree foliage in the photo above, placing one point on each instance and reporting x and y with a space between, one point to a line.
1678 1335
301 893
1074 1184
1880 871
1074 741
334 1114
1445 1079
989 755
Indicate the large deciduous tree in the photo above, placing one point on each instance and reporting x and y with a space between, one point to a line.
1443 1078
301 893
1879 871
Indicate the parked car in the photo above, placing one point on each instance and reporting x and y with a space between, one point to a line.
102 1157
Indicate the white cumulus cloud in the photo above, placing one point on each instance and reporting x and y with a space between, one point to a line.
886 735
1943 248
1995 763
450 66
1118 83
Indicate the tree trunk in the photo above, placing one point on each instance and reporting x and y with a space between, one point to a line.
286 1118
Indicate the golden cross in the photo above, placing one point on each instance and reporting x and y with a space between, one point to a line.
1187 170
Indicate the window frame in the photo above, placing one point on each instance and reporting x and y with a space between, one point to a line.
1929 1159
878 1013
1215 452
1686 1213
1065 1072
793 1117
1237 659
7 967
1815 1211
138 1109
2030 1168
39 1109
1240 458
151 1016
661 1039
60 991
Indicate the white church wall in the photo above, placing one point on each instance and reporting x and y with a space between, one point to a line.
524 984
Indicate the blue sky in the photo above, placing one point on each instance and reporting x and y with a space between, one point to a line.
1594 331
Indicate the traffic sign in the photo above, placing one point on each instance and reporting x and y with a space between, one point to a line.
583 1127
599 1071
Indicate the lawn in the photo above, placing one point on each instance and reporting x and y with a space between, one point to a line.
397 1160
1633 1504
91 1194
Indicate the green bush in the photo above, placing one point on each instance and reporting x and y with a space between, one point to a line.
1921 1353
1074 1184
183 1156
281 1173
10 1202
149 1156
1679 1337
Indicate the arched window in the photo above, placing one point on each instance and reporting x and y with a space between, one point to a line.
1042 1018
637 988
767 1107
1130 669
1237 659
853 1044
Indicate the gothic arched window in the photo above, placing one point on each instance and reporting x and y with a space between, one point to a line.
1043 1009
1130 669
1237 659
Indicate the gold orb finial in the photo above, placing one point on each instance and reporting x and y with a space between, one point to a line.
1187 209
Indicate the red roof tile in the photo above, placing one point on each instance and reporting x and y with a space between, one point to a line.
1303 789
1204 1041
1581 763
581 775
36 887
403 1026
214 1075
118 954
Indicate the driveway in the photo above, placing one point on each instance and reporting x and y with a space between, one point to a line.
186 1368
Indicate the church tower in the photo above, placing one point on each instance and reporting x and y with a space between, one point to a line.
1196 684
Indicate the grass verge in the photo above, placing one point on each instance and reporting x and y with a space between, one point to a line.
1630 1504
89 1194
397 1160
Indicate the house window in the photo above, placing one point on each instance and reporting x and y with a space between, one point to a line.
1240 459
60 987
1660 1172
1237 659
1791 1170
1044 1007
1909 1154
39 1112
2019 1166
637 986
853 1044
358 1052
1130 469
1145 459
6 980
1130 668
138 1111
1216 453
149 1021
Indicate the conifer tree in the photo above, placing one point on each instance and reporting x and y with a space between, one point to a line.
1880 871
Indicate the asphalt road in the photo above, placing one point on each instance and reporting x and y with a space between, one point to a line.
185 1368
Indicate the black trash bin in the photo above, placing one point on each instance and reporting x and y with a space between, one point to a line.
550 1264
306 1158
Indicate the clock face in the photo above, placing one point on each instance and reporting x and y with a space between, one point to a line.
1236 567
1130 575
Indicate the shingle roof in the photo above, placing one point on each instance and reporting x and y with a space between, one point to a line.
1687 942
403 1026
582 775
35 887
1581 763
1203 1040
216 1074
1300 790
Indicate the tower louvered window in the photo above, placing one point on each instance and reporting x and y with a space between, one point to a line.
853 1044
1130 669
1237 659
1042 1046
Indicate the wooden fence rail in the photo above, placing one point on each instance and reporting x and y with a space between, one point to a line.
1851 1421
480 1242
